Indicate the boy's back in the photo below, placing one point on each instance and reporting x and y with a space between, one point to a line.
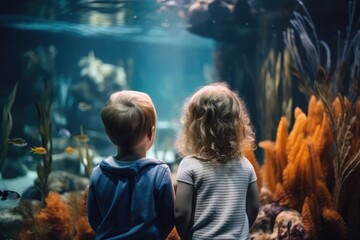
130 200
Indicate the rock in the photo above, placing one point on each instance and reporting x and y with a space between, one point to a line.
13 169
10 224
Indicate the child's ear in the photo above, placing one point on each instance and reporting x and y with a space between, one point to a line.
151 133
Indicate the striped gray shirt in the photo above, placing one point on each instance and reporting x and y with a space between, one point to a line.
220 189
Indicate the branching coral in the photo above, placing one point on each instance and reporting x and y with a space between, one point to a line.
327 82
82 229
269 167
302 185
52 222
249 154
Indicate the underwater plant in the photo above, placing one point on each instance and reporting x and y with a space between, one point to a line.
6 124
86 154
274 83
44 126
337 86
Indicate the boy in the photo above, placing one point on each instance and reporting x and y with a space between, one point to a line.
130 196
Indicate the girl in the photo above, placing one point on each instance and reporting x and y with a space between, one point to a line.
217 195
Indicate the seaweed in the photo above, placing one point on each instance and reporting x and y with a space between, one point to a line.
276 86
6 125
44 126
86 154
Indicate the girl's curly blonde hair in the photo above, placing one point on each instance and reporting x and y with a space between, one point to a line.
216 125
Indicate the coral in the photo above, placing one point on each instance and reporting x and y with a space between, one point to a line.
249 154
51 222
82 228
303 185
311 217
57 215
173 235
280 148
334 225
269 167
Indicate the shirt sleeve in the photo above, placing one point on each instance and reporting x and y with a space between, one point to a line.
252 173
185 171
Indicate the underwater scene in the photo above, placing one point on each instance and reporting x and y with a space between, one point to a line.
295 63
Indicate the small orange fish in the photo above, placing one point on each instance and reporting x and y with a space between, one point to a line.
82 138
69 150
84 106
18 142
38 150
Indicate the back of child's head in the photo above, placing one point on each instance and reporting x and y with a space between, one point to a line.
128 116
216 125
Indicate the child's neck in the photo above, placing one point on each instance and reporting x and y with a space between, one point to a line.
130 155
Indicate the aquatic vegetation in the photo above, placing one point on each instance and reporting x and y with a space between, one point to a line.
86 154
250 155
6 125
275 84
51 222
82 229
275 157
173 235
64 217
297 166
328 82
44 126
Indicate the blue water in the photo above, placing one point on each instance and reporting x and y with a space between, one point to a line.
167 61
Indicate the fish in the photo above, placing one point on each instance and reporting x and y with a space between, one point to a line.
38 150
84 106
69 150
82 138
9 195
63 132
18 142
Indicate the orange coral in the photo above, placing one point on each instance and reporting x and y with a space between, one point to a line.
280 148
311 217
57 215
281 195
269 167
173 235
83 230
334 225
296 136
249 154
315 113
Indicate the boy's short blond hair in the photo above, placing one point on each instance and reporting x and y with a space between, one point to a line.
128 117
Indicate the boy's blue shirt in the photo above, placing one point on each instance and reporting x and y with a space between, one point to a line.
134 201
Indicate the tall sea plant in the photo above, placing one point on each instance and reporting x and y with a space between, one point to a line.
318 77
6 124
44 126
